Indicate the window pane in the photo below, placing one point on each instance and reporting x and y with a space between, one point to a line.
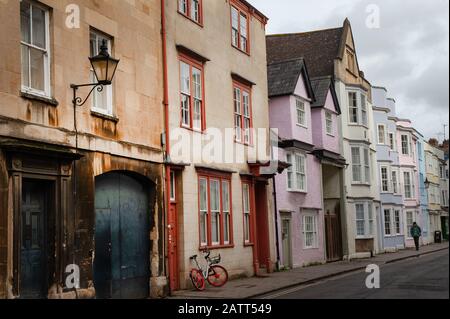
197 114
25 66
215 195
226 228
237 101
182 6
185 110
246 102
203 195
215 227
226 196
195 10
203 232
185 78
38 16
235 26
37 69
25 21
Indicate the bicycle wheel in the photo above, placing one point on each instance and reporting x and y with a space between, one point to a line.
218 276
197 279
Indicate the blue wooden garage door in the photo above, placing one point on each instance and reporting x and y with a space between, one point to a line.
122 212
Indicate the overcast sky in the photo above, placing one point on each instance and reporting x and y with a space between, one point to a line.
408 54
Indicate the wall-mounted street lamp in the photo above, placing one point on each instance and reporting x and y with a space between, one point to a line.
104 67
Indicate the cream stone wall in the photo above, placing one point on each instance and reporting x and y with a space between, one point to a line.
135 28
213 41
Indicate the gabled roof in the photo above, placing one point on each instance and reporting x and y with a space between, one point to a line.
283 77
318 48
321 86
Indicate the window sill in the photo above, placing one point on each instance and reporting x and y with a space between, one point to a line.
216 247
302 126
249 244
240 50
364 237
200 24
330 135
310 248
111 118
297 191
361 184
39 98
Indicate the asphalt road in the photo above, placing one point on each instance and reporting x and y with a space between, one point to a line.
425 277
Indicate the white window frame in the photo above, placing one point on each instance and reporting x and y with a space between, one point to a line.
397 222
385 181
300 112
387 222
408 144
352 107
392 144
329 125
362 108
369 220
363 166
381 138
313 231
294 172
410 186
394 181
407 224
47 53
108 89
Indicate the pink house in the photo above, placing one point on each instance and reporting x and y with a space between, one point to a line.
409 176
305 114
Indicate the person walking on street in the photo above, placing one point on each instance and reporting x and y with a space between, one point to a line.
416 233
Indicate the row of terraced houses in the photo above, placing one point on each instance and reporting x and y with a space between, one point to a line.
313 164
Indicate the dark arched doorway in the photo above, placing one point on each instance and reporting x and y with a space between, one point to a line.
123 212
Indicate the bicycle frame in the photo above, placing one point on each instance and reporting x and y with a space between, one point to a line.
208 266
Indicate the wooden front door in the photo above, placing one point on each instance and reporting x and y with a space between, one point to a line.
333 234
262 225
121 264
34 253
173 233
286 242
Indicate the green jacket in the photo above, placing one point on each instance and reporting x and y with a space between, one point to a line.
416 231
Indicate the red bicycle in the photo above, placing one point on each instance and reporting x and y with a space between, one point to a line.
216 275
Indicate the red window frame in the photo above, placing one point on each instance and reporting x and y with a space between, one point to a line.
188 11
251 212
193 63
247 89
221 177
242 10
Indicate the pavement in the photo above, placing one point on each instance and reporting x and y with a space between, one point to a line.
426 277
255 287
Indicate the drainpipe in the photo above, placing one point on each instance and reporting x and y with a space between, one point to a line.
277 239
166 122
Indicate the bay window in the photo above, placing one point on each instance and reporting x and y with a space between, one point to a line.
384 179
387 222
358 112
35 48
215 210
296 174
405 145
360 164
397 221
381 134
329 123
364 219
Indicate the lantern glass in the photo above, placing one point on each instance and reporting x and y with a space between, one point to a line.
104 65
